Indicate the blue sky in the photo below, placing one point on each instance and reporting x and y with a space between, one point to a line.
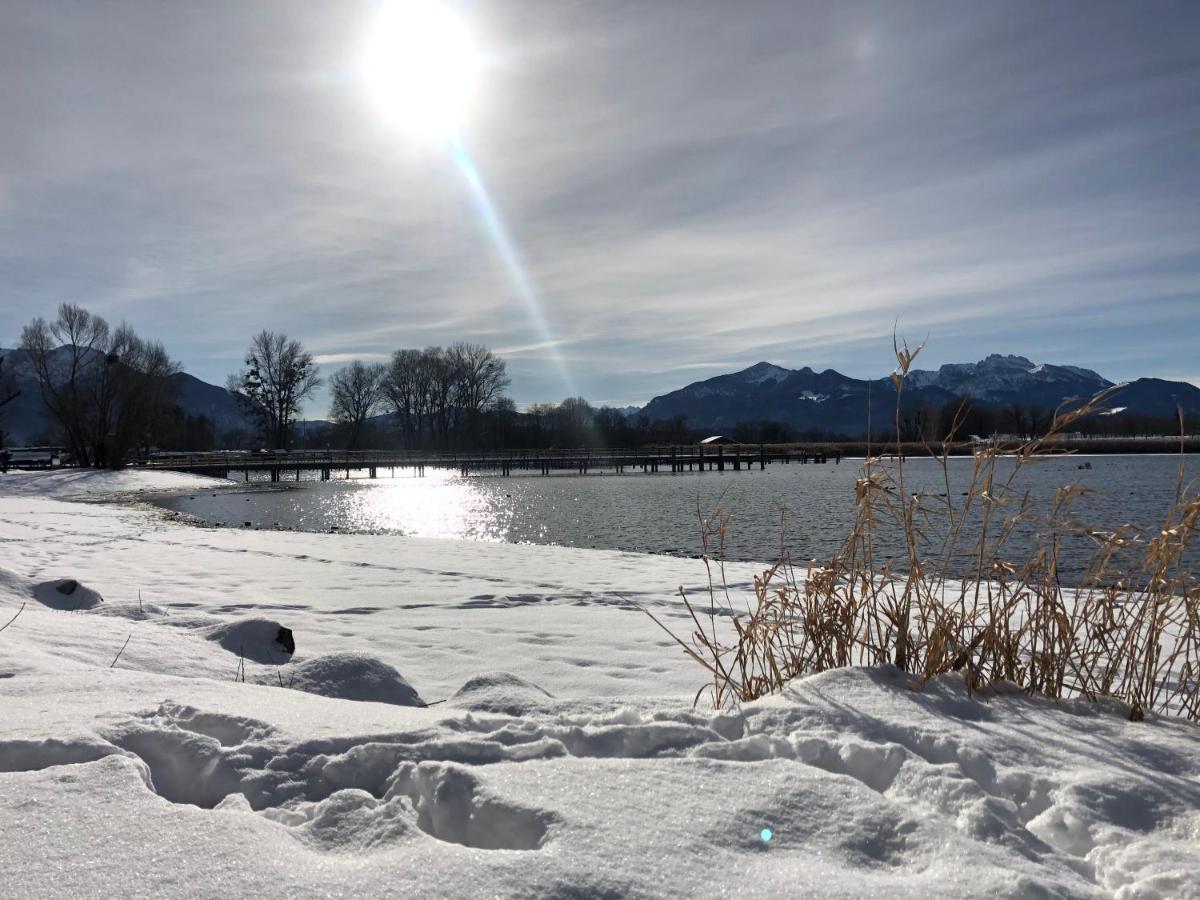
691 187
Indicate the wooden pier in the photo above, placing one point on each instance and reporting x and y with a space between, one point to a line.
687 458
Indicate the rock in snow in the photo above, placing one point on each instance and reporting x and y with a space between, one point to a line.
66 594
255 639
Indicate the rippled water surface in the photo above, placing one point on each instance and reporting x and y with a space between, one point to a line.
806 509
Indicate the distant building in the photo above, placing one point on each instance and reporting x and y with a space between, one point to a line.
718 439
35 457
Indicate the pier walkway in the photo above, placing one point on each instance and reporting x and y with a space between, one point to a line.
687 458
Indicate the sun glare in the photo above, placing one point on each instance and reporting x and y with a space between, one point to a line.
421 67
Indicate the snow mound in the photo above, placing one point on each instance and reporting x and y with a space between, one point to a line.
14 585
258 640
66 594
501 692
352 676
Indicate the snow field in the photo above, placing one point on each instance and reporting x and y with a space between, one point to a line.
561 756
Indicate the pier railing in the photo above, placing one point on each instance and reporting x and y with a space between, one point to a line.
501 462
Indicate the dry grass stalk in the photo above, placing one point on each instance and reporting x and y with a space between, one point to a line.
119 652
14 618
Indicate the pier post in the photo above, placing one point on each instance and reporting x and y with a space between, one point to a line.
762 457
720 459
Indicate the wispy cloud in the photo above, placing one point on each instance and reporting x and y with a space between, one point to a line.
334 359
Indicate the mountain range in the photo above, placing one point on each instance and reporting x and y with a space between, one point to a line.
833 403
827 402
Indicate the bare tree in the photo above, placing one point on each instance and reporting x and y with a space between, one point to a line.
444 395
104 388
8 393
1014 416
279 375
133 395
357 393
441 378
1039 419
481 380
404 392
65 355
573 422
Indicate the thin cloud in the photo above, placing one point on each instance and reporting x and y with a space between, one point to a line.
333 359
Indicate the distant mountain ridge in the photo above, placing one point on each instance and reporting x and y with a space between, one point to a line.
834 403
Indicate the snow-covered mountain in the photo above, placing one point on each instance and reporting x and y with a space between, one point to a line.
998 379
834 403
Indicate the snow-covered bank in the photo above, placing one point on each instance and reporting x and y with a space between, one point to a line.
81 483
584 773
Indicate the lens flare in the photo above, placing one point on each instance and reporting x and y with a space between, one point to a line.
421 67
510 258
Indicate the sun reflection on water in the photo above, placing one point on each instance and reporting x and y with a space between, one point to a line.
441 505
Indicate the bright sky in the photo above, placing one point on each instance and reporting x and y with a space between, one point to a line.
689 187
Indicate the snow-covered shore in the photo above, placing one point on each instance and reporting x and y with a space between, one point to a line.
585 774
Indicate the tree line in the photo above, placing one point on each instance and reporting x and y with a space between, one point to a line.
963 418
112 394
433 398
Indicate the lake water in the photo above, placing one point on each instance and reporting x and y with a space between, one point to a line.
806 510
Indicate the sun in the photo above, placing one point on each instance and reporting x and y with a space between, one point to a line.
421 67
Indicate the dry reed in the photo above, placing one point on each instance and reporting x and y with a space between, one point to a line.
956 599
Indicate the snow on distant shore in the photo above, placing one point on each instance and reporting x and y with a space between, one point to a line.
63 483
565 761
